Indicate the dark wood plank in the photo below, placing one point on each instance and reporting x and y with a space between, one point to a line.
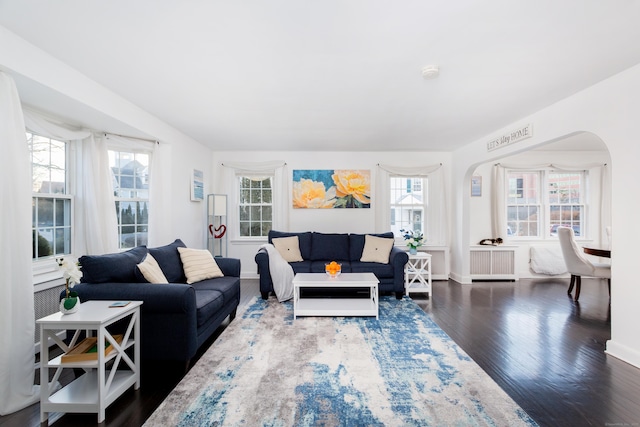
545 350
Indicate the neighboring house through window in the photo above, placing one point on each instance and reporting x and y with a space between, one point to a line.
52 203
131 190
255 205
408 203
530 210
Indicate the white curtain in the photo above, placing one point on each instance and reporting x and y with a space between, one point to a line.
437 228
96 227
95 203
277 169
17 360
498 203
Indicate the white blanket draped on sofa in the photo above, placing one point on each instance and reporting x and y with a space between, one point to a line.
281 274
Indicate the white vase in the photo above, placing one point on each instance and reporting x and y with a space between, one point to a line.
73 309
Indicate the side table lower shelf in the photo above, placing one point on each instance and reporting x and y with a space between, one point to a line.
81 395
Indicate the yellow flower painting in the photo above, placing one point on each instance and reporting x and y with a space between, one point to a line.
329 188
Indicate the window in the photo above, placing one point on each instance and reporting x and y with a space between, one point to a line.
51 213
408 203
566 201
523 203
530 210
131 191
255 205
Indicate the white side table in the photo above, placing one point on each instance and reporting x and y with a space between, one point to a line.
99 386
417 273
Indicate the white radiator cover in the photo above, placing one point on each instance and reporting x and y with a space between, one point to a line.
45 302
493 263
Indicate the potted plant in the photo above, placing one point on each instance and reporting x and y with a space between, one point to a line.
413 239
72 274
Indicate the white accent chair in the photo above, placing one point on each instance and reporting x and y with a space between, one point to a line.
577 264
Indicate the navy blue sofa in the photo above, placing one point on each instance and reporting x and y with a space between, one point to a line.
317 249
176 318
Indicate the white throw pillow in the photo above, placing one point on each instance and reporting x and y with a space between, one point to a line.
151 270
376 249
289 248
198 264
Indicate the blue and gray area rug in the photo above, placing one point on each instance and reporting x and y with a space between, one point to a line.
266 369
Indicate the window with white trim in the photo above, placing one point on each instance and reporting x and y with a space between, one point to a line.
255 205
408 204
51 201
130 172
530 210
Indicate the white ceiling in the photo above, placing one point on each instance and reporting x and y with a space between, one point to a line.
332 74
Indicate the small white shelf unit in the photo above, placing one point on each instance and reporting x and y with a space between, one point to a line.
98 387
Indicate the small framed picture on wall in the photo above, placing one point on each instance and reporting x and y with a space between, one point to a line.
197 186
476 186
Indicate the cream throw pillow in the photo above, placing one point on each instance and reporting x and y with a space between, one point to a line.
198 264
151 270
376 249
289 248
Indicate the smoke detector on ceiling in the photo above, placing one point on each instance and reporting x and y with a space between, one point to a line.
430 72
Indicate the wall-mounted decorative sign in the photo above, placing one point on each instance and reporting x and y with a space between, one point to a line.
330 189
197 186
512 137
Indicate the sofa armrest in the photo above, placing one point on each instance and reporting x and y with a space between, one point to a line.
398 258
229 266
262 259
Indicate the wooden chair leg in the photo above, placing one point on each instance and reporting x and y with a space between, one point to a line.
578 283
573 281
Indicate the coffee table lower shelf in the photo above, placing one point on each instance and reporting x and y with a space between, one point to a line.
336 307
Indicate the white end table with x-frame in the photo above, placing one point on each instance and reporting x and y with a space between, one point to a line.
102 383
417 273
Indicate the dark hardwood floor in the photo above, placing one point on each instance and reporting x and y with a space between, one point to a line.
543 349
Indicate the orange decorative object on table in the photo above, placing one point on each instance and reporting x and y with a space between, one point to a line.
333 269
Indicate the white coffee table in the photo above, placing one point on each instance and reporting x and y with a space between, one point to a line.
335 306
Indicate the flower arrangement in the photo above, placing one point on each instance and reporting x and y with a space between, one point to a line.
72 274
413 239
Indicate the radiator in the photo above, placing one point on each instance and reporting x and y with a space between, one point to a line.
493 263
46 302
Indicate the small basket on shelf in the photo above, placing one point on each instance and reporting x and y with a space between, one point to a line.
333 269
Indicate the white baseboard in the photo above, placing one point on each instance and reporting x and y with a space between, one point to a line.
624 353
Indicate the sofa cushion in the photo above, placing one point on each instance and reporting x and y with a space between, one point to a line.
356 243
199 264
169 261
380 270
227 286
151 271
329 247
376 249
289 248
118 267
208 303
301 267
304 241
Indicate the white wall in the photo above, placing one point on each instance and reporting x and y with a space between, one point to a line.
321 220
609 110
481 206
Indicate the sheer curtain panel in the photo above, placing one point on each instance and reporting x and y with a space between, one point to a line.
17 328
